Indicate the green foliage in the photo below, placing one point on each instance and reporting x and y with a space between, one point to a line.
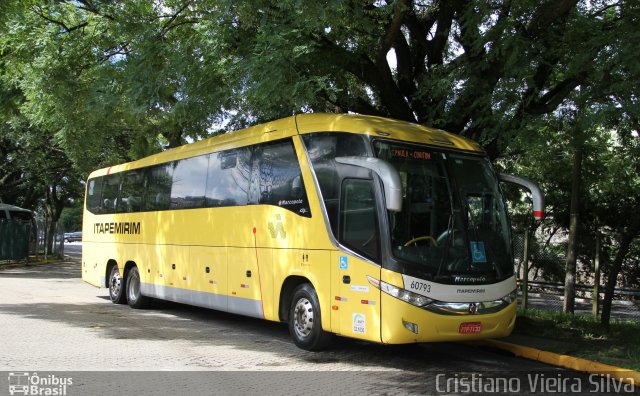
610 182
102 82
109 78
583 336
71 218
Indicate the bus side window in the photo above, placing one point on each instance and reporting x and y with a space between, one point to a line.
228 178
189 182
94 195
322 149
276 178
131 192
158 180
358 222
110 193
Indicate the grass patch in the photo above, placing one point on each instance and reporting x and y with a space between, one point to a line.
583 336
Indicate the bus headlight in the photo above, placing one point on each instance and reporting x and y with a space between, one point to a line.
511 297
401 294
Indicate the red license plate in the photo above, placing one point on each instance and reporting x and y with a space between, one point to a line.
470 328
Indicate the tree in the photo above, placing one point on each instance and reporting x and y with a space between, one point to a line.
572 251
35 171
71 217
128 72
39 174
609 199
113 81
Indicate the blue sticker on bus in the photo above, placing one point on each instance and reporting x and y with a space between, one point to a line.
478 253
344 262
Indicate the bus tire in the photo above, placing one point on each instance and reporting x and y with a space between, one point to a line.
305 321
116 286
134 296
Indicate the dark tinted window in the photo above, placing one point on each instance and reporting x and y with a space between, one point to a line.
110 193
358 224
323 148
189 182
228 183
158 181
218 179
131 192
20 215
94 195
276 178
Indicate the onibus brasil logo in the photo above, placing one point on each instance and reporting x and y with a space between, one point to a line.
21 383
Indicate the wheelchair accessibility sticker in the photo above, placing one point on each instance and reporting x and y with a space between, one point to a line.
478 254
344 263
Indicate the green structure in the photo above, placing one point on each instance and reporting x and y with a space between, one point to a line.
17 232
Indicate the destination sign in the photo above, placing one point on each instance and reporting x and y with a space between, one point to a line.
403 152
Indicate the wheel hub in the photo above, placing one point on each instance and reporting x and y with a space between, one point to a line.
116 283
303 317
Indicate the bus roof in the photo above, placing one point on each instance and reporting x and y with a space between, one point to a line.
303 124
12 208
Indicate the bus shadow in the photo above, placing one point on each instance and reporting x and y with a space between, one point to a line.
171 321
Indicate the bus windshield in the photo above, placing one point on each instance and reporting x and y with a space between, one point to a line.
453 226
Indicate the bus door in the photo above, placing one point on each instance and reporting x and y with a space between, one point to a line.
358 302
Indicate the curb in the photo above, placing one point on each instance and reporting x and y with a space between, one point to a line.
570 362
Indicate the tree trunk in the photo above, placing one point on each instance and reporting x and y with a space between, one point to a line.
54 210
51 233
572 250
612 279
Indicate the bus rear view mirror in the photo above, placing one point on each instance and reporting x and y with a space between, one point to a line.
387 173
536 194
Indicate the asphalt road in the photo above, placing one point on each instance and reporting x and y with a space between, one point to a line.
51 321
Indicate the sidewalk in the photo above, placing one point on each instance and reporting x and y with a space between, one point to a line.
536 348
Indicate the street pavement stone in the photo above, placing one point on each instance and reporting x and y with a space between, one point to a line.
53 322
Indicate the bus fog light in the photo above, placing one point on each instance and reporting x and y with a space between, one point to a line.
412 327
420 301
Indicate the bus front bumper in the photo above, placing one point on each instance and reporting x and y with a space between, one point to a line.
404 323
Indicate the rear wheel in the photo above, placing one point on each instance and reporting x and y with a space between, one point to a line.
116 286
134 297
305 321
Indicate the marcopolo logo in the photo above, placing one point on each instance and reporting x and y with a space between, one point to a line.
21 383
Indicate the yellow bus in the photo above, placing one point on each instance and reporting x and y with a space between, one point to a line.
360 226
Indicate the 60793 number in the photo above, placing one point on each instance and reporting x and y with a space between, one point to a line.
420 286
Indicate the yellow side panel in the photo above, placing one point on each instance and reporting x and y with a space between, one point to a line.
358 301
391 277
250 276
173 264
310 264
265 278
209 269
93 267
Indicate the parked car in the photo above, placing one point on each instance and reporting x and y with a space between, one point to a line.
73 236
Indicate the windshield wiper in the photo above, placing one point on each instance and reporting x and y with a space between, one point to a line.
445 256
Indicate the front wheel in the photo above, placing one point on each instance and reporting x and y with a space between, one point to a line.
116 286
134 297
305 322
